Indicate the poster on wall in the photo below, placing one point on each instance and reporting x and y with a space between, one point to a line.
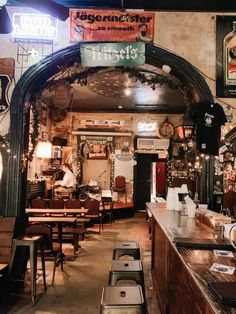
105 25
226 56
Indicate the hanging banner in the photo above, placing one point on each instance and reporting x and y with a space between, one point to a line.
105 25
112 54
226 56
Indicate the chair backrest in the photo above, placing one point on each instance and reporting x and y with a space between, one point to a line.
38 203
120 182
93 206
56 203
72 203
45 230
7 226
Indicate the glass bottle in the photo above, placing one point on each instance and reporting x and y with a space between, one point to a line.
229 57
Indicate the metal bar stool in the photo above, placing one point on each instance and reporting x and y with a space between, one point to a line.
122 300
32 242
126 248
126 270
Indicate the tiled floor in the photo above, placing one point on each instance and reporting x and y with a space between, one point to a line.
78 289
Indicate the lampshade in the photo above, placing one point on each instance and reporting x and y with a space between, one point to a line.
44 150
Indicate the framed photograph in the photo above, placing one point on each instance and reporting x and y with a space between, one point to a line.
45 136
43 116
97 151
226 56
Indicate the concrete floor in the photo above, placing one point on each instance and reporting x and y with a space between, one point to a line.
78 289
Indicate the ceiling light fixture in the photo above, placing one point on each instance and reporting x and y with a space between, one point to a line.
3 2
166 68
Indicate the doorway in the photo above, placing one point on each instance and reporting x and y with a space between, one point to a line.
142 179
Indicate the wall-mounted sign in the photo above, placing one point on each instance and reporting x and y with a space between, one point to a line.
226 56
112 54
34 26
5 83
149 126
102 25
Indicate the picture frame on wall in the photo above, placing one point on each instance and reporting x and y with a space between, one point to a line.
43 116
44 136
226 56
97 151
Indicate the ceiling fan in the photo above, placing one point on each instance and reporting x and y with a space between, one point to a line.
45 6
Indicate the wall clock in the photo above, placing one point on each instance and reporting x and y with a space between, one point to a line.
166 129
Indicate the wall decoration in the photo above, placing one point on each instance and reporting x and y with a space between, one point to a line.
62 95
226 56
166 129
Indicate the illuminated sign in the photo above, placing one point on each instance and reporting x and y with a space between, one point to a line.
147 126
36 26
112 54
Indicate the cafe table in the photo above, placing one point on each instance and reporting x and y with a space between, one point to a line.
57 211
54 219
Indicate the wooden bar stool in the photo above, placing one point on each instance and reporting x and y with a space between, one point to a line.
122 300
33 243
126 270
126 248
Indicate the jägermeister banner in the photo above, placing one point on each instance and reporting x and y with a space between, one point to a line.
112 54
226 56
110 26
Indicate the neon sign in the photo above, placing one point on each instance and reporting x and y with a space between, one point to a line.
36 26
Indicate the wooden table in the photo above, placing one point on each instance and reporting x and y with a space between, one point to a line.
58 220
49 212
181 275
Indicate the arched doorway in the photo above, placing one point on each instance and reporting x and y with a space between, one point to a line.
28 86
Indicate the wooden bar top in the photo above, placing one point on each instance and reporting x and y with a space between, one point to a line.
197 262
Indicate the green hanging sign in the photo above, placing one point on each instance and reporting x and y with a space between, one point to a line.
112 54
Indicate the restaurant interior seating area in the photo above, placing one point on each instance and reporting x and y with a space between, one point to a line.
117 157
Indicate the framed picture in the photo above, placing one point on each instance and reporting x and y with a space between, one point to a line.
226 56
43 116
45 136
97 151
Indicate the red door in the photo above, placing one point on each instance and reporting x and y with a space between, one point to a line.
160 178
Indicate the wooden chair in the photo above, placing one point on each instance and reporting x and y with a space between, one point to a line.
56 203
38 203
77 230
94 212
51 249
72 204
120 186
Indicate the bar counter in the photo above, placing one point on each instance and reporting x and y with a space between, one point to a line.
181 275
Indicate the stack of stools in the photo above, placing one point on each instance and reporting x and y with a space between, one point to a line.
124 298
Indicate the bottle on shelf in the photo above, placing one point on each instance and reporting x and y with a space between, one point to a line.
229 57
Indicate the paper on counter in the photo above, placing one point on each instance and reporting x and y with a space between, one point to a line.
220 268
223 253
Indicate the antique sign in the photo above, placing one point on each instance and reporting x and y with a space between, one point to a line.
36 26
112 54
226 56
102 25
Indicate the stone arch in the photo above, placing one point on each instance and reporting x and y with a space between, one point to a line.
29 84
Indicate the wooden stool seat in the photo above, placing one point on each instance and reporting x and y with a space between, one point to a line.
33 242
122 300
126 248
126 270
